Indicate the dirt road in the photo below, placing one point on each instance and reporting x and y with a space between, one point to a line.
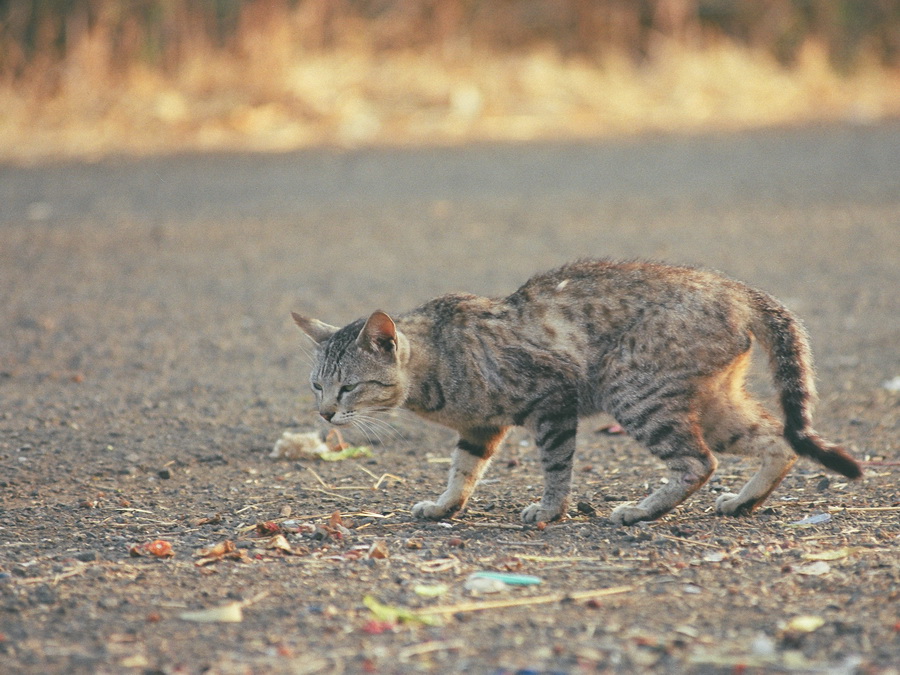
148 364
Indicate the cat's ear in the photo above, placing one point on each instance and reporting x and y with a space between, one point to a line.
318 331
379 334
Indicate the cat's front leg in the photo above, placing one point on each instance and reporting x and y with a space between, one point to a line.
470 460
556 440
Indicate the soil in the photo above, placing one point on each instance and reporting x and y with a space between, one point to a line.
148 364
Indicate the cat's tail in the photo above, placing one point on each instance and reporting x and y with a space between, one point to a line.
790 358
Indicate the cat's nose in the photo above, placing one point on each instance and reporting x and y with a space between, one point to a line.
327 415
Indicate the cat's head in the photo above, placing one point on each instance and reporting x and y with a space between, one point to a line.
359 368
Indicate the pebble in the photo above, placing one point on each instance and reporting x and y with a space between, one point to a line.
108 602
86 556
484 585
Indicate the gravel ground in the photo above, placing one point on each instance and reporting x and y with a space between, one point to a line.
148 364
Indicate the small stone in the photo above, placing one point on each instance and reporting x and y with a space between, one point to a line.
108 602
165 474
86 556
484 585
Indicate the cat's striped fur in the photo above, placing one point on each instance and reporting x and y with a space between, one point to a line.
662 349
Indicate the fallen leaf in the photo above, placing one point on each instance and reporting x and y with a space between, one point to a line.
136 661
430 590
280 543
388 613
267 529
230 613
805 624
816 519
221 551
814 569
714 556
378 551
836 554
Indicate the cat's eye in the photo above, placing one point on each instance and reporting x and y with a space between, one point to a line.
347 388
317 386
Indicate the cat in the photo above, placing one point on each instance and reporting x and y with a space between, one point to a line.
662 349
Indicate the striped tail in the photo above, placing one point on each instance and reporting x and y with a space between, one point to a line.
791 361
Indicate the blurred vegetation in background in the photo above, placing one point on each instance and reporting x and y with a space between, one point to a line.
38 32
414 60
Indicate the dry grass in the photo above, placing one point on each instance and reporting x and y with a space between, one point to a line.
272 95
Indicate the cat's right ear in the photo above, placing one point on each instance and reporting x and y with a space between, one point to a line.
316 330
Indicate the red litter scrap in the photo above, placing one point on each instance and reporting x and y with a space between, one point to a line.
158 549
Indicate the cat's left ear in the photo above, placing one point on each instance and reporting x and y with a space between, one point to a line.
379 334
315 329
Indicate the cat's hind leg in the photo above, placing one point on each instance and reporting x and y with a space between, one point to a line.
733 422
470 460
679 443
658 409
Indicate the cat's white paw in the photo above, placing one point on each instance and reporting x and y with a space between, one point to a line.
628 514
730 504
536 513
429 511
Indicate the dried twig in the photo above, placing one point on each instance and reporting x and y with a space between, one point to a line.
318 478
688 541
56 578
523 602
429 647
497 526
387 475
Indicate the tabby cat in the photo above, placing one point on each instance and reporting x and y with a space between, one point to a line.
662 349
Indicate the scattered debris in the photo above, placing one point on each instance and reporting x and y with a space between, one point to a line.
814 569
534 600
836 554
714 556
476 586
279 543
395 615
268 529
378 550
230 613
158 549
430 590
311 446
804 624
225 550
893 384
816 519
299 446
508 579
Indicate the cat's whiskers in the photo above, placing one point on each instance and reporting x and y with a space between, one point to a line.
364 427
307 355
377 424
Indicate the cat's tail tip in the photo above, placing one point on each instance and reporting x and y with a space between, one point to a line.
810 444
